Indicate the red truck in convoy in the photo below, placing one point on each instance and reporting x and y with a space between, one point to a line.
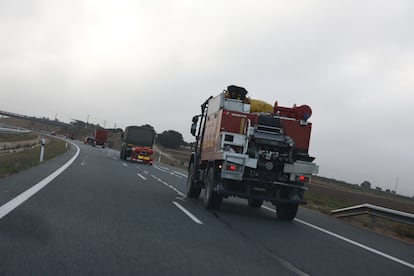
100 138
249 149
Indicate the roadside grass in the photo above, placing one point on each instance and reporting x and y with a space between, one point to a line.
384 226
22 160
170 161
179 158
324 203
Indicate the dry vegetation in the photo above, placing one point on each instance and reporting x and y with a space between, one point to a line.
326 195
29 157
177 158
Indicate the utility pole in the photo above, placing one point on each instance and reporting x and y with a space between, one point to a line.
104 124
87 121
396 186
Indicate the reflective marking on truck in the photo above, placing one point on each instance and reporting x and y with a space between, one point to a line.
188 213
377 252
237 115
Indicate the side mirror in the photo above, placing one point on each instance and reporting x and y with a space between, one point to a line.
194 125
193 128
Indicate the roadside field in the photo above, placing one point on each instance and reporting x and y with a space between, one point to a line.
29 157
332 196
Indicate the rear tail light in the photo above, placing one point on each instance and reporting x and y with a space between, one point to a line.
232 168
303 179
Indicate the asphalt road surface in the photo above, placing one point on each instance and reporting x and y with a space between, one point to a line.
105 216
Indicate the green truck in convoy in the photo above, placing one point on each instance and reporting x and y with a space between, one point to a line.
135 138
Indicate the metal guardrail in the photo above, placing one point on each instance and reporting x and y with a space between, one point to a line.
377 211
53 122
7 130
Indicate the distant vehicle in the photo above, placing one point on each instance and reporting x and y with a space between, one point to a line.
101 138
89 141
250 149
137 144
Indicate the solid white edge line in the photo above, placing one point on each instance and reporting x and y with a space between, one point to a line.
18 200
194 218
350 241
141 176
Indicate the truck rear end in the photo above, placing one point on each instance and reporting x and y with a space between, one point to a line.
137 144
142 154
101 138
259 156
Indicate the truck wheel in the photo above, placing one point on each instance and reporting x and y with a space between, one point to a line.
254 203
212 200
192 192
286 211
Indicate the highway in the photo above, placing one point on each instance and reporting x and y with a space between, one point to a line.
105 216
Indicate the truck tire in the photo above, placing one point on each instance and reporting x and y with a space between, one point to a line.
286 211
192 192
212 200
254 203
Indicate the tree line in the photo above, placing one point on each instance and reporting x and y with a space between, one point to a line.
169 138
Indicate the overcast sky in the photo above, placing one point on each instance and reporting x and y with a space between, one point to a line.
138 62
